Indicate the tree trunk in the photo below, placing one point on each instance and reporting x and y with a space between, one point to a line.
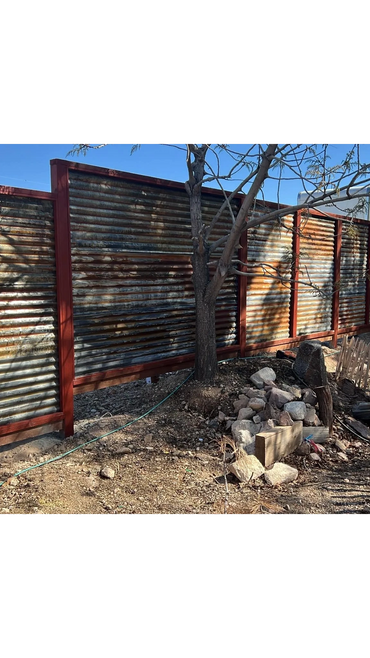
325 401
205 341
205 330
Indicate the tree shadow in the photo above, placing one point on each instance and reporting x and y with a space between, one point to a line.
316 272
268 299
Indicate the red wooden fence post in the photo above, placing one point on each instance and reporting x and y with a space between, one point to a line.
295 274
367 297
337 256
59 182
242 306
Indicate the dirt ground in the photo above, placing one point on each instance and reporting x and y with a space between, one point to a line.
169 461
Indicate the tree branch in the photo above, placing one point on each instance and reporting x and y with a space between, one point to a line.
353 180
250 197
229 198
319 201
227 202
233 238
285 282
218 243
189 164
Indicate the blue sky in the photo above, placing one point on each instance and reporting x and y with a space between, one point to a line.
27 165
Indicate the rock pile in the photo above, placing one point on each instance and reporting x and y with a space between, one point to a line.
268 406
262 408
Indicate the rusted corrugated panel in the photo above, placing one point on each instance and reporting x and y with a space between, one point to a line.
316 269
112 214
353 276
132 290
29 384
268 300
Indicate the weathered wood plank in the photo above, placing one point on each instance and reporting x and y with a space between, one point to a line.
319 434
278 442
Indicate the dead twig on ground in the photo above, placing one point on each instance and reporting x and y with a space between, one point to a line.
223 448
224 442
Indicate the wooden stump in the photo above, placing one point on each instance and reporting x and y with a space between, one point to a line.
325 401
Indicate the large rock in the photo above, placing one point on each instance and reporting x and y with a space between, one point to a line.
294 390
257 404
246 413
278 398
254 392
309 397
269 412
297 410
268 425
262 376
269 385
241 403
310 415
247 468
285 418
240 426
242 434
310 364
280 474
253 427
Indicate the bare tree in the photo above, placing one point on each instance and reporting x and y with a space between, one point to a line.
251 168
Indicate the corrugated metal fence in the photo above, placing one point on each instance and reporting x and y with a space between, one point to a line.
133 298
107 297
29 371
267 298
316 265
